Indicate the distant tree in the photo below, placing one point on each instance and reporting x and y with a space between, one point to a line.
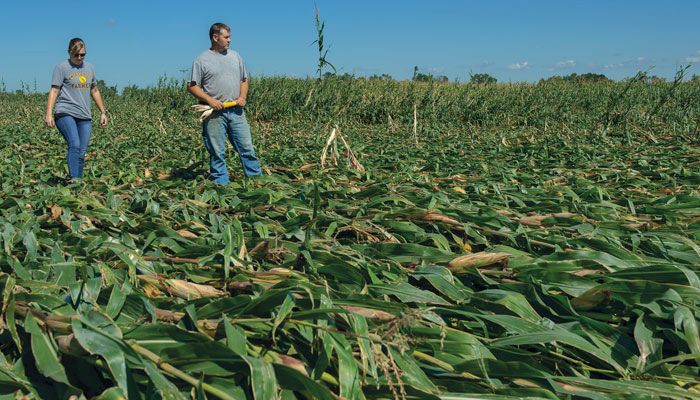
656 79
131 91
106 90
382 77
695 78
332 75
588 77
421 77
482 78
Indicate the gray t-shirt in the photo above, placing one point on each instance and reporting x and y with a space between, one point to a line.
75 83
219 75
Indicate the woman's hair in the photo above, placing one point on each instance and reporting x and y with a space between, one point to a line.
75 45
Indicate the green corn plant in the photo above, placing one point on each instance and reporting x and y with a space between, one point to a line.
514 254
322 51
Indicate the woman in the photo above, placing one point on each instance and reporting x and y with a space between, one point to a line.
72 85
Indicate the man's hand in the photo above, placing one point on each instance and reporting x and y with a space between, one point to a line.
215 104
240 101
197 92
103 119
49 121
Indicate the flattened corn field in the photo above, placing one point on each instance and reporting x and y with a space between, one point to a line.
527 241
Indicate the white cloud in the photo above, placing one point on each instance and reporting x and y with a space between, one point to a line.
694 59
638 62
111 22
520 65
436 70
608 67
565 64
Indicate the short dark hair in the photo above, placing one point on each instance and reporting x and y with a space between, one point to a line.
216 29
75 45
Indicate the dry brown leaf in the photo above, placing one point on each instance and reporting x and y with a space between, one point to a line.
291 362
370 313
189 290
586 272
186 234
533 220
151 291
476 260
56 212
434 216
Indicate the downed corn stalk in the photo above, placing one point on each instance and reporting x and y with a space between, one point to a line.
331 144
207 110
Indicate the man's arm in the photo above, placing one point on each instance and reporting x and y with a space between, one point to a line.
243 98
197 92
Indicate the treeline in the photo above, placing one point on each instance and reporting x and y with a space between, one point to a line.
484 78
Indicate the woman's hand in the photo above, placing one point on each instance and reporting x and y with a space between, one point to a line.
49 121
103 119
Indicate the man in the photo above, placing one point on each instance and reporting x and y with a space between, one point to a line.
218 76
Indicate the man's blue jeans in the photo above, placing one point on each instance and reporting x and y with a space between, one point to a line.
229 123
77 134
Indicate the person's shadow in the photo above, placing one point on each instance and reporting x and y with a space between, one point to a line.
190 172
56 180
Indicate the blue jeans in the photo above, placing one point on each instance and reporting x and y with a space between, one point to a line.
77 134
232 124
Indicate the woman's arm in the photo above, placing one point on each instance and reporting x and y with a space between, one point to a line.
100 105
53 95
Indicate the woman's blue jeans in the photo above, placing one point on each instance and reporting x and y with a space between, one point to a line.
229 123
77 134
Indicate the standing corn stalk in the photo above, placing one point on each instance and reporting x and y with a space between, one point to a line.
322 62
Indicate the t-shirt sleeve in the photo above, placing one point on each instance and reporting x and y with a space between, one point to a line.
197 72
57 77
94 79
244 72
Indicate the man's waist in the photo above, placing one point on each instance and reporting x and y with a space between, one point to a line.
223 101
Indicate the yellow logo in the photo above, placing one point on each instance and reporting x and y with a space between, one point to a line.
82 79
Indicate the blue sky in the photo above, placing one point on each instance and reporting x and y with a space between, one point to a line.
132 42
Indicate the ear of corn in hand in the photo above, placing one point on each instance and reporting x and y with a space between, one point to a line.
207 110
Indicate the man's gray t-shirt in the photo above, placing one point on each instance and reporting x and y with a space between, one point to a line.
219 74
75 83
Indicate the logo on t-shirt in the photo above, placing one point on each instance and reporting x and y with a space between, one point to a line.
83 80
